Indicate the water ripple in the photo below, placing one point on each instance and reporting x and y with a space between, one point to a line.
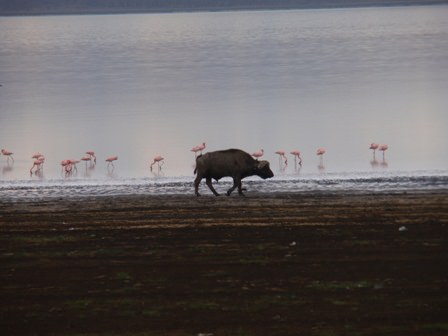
30 190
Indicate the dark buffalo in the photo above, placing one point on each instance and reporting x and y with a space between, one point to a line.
234 163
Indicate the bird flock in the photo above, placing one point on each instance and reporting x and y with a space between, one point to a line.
69 166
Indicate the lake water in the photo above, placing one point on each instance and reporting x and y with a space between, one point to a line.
137 86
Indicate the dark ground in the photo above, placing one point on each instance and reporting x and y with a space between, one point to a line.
276 264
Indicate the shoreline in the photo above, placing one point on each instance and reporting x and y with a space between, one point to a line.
11 210
362 183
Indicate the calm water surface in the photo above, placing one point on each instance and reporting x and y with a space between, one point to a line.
141 85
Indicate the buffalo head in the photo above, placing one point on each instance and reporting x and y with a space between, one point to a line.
262 169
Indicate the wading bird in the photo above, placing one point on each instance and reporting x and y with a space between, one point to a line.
90 164
374 147
110 160
8 154
159 160
281 154
258 154
38 162
320 152
383 148
91 154
66 166
37 155
73 163
198 149
86 159
296 153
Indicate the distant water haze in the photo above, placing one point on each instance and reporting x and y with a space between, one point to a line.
137 86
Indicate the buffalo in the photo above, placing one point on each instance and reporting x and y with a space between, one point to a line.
233 163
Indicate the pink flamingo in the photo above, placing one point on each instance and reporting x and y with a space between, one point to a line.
8 154
159 160
86 159
258 154
201 147
110 161
89 164
66 166
195 150
73 163
320 152
383 148
198 148
91 154
37 163
374 147
296 153
281 154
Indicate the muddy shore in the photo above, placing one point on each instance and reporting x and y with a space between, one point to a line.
265 264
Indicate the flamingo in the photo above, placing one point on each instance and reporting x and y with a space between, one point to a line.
201 147
198 148
320 152
374 147
258 154
296 153
195 150
91 154
281 154
86 159
383 148
159 160
73 163
8 154
110 160
89 164
67 166
38 162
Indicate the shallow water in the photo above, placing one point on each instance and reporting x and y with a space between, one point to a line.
367 182
141 85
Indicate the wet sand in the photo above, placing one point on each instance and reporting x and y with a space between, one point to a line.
265 264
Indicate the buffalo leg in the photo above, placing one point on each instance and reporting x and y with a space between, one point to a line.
236 183
240 189
197 180
208 181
